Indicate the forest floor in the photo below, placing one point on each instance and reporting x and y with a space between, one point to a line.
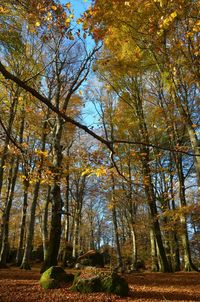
17 285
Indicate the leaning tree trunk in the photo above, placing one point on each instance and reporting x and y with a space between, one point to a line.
194 141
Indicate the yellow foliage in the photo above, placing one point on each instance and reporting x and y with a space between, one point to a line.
68 5
37 23
54 7
3 10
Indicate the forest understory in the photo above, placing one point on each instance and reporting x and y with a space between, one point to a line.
17 285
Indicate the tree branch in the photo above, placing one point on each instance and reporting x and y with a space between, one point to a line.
48 103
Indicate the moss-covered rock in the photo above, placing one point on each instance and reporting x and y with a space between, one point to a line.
54 277
114 284
87 285
50 283
110 283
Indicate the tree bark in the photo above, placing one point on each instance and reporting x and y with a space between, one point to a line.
45 237
6 217
20 249
56 200
187 260
28 247
29 240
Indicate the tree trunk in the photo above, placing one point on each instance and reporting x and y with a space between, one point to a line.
149 191
174 241
6 217
29 241
195 143
154 256
188 265
118 248
28 247
75 233
56 200
66 223
55 230
4 157
10 195
45 238
134 247
20 249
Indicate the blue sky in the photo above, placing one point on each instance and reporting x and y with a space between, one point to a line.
89 116
79 6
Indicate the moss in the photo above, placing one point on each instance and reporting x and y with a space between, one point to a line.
54 272
109 283
114 284
50 284
54 276
87 285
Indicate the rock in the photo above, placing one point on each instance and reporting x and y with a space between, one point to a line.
54 277
89 282
115 284
50 284
91 258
